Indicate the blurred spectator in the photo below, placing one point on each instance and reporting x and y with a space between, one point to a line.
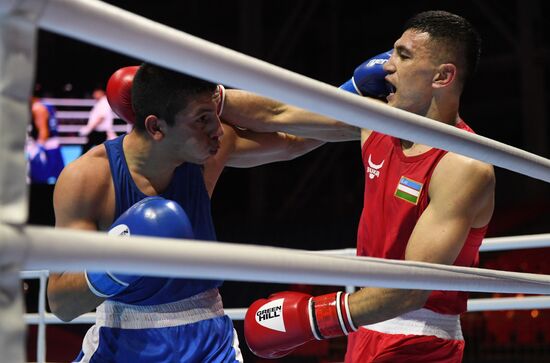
100 123
43 150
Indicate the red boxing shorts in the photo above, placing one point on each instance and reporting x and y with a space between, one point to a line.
418 336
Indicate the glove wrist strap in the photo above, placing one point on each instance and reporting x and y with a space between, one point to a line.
350 327
330 316
104 284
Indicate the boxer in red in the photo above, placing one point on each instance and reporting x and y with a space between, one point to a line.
420 204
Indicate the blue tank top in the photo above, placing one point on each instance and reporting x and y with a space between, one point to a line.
186 188
52 120
52 123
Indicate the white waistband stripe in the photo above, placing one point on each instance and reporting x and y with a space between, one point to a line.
421 322
203 306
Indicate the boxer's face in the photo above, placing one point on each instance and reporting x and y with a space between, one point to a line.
197 131
411 71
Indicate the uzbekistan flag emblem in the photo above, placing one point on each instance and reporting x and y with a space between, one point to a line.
408 190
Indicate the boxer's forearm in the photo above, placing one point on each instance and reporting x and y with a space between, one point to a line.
372 305
69 296
261 114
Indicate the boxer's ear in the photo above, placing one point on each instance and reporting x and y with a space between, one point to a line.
155 127
445 76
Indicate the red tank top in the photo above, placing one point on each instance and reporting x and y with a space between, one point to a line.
396 194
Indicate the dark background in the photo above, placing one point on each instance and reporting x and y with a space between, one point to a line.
314 202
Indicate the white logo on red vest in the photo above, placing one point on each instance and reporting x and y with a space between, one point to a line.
374 169
270 315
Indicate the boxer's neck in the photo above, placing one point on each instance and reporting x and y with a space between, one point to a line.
150 168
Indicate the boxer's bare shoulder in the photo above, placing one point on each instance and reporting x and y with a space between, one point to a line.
84 195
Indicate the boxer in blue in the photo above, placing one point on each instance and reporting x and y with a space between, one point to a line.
148 319
175 151
43 147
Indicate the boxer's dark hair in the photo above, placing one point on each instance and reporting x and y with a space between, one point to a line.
455 36
162 92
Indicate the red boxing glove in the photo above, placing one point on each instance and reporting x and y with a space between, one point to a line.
119 93
275 326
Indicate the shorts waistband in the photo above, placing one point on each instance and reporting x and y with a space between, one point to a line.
203 306
421 322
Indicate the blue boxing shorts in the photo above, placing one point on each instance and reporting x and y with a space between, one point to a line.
190 330
45 161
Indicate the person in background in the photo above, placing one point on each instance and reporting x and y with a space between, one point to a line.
43 147
100 122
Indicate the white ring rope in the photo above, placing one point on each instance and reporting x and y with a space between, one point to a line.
107 26
509 303
474 305
60 250
488 245
487 304
515 242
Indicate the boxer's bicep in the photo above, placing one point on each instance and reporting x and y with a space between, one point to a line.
461 198
75 199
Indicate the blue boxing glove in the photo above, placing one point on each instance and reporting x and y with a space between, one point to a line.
152 216
368 79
